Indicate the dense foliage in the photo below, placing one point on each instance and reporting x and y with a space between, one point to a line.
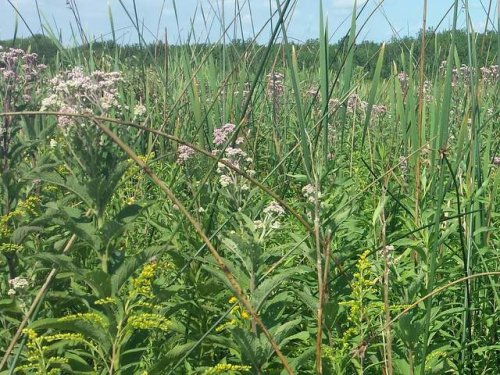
251 211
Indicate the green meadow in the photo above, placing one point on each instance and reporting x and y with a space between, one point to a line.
237 207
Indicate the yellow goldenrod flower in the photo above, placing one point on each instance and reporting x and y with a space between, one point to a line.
93 318
233 300
222 368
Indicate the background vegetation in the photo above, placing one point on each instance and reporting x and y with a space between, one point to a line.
307 52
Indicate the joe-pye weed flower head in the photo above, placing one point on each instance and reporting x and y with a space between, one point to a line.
74 91
20 79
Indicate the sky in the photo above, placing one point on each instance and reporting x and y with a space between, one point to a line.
200 20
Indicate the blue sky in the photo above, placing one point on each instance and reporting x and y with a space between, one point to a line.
393 18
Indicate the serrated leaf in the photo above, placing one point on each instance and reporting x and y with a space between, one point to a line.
175 353
308 300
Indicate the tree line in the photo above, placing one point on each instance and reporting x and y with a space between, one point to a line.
398 50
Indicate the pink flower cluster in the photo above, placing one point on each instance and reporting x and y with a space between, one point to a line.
489 74
20 79
403 80
221 134
309 192
354 103
16 284
75 91
379 110
270 218
233 155
427 91
274 208
184 153
333 104
313 92
275 87
17 66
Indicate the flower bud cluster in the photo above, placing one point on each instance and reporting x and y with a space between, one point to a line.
139 111
403 165
427 91
90 317
238 316
490 73
354 104
379 110
41 358
270 220
221 134
24 209
141 286
333 105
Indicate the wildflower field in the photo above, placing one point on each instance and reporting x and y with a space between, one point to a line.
227 208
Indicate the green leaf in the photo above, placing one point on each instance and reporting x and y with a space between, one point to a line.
87 329
373 92
265 288
70 184
105 188
129 213
78 364
174 354
378 210
299 177
100 282
249 346
62 261
19 234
